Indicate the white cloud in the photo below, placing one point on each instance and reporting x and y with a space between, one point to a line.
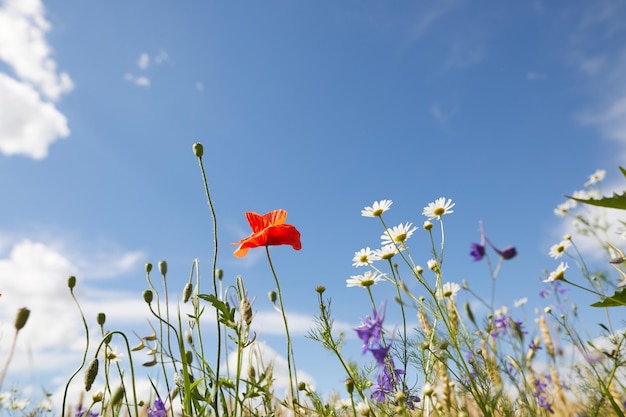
30 123
161 57
143 61
140 81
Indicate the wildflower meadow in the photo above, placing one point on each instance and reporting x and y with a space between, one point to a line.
443 357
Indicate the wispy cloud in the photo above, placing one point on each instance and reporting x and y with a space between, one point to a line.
31 122
141 81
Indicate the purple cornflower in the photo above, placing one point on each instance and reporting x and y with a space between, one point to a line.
158 410
533 346
507 253
477 251
539 394
370 331
81 413
503 322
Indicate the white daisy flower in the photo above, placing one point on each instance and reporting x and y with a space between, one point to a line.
378 208
556 251
364 257
558 274
398 234
596 177
449 289
432 264
386 252
366 280
564 208
438 208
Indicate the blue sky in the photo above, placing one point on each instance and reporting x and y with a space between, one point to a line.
319 108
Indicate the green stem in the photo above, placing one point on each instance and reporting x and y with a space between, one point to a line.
290 365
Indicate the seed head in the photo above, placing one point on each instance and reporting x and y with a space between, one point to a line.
71 282
91 373
187 292
163 267
148 296
148 267
198 149
101 318
21 318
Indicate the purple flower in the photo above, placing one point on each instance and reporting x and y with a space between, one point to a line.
158 410
81 413
477 251
370 331
539 394
507 253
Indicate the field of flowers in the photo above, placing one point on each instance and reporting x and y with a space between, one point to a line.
466 364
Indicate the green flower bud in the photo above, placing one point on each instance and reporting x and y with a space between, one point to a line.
101 318
108 337
470 314
220 273
320 289
148 296
301 386
349 383
198 149
97 397
189 356
21 318
246 311
272 296
71 282
118 396
148 267
162 267
251 373
187 292
91 373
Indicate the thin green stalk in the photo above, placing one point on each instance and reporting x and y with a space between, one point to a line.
198 151
290 359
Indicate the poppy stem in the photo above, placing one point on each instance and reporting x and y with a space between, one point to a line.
290 359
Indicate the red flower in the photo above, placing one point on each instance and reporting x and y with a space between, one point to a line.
268 230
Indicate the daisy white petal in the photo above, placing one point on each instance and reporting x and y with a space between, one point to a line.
438 208
596 177
449 289
364 257
378 208
366 280
398 234
556 251
387 251
558 274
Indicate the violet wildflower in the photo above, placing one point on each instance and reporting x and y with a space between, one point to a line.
158 410
507 253
477 251
370 331
81 413
539 394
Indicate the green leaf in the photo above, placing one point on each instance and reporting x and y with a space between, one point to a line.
615 300
617 201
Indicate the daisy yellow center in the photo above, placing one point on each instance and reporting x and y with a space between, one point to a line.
387 256
559 276
363 259
367 283
400 238
439 211
377 212
560 249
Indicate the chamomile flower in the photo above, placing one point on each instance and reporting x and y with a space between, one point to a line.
438 208
398 234
558 274
596 177
433 265
366 280
556 251
448 290
564 208
520 302
377 209
364 257
386 252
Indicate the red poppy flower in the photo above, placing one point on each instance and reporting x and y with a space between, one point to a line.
268 230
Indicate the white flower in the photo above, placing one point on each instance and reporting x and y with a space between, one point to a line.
386 252
520 302
449 289
364 257
556 251
596 177
112 354
398 234
564 208
558 274
418 270
438 208
432 264
366 280
378 208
